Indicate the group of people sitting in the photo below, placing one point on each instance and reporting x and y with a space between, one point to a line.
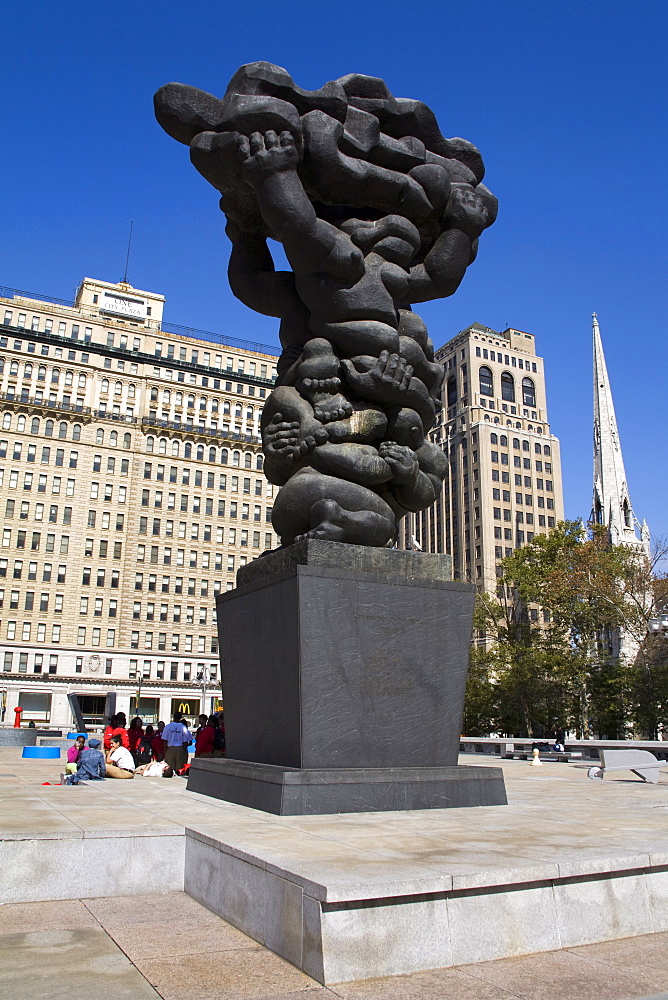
144 751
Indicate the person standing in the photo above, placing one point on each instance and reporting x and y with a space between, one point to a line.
219 748
135 734
116 727
177 738
204 742
158 744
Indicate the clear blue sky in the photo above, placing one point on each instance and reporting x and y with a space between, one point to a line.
566 100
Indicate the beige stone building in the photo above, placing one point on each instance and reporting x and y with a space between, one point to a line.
504 480
132 489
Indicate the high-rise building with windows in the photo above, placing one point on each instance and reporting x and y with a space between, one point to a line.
504 479
132 489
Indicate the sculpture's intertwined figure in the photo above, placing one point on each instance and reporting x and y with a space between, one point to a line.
376 211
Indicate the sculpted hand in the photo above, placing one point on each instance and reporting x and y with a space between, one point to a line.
263 155
470 210
401 460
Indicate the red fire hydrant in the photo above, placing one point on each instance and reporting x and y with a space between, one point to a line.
17 718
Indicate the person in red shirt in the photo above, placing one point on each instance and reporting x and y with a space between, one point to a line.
205 737
158 744
116 727
135 733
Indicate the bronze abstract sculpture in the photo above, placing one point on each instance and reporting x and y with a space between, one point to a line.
376 211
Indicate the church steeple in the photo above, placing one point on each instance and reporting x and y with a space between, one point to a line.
612 503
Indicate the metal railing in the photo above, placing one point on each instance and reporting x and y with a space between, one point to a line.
155 328
25 400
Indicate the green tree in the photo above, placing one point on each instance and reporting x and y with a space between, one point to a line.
545 639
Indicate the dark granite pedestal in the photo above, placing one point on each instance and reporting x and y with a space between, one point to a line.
344 670
300 792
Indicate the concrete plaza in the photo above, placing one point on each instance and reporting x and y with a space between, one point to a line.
125 927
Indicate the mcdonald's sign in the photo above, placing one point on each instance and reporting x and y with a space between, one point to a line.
188 707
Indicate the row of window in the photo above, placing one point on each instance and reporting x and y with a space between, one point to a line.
105 520
47 571
101 578
151 553
486 382
507 515
38 663
60 353
36 428
29 479
205 404
162 673
35 541
30 631
231 508
512 423
503 441
250 459
178 375
31 455
522 498
75 333
505 359
42 512
39 372
161 475
186 614
175 642
97 605
31 602
49 428
254 368
190 584
22 320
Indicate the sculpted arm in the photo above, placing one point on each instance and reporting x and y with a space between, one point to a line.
252 276
470 210
269 164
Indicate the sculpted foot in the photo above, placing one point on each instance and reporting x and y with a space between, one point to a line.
331 520
329 408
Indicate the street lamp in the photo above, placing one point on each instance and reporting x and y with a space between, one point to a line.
203 678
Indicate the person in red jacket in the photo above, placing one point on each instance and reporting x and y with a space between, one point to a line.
205 737
158 744
116 727
135 733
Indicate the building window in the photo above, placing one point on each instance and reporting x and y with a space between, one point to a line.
486 381
507 387
528 392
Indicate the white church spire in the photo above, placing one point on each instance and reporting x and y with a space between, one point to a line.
612 503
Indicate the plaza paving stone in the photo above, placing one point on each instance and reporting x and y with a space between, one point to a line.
167 945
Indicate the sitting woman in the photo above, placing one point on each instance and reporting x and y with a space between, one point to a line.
119 760
73 754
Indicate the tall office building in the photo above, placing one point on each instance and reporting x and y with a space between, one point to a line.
132 489
504 474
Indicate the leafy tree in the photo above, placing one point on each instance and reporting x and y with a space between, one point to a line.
546 640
